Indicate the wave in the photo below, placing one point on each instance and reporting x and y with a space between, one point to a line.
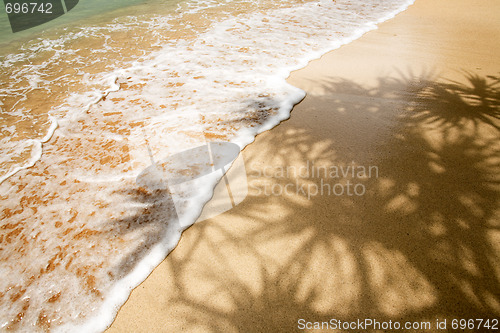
82 230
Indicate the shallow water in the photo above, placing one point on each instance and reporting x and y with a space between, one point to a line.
88 107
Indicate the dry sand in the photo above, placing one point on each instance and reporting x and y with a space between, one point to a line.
421 244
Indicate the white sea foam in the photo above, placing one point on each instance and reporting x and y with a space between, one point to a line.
36 150
186 83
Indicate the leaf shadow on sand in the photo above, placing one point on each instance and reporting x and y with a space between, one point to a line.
421 244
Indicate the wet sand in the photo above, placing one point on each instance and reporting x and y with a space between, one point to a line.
419 244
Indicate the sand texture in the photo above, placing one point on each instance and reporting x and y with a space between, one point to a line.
417 100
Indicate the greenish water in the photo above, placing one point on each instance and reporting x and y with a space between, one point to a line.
85 11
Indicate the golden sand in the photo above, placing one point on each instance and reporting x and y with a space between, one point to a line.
422 244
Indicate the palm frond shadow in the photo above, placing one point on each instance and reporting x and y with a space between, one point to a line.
458 103
418 245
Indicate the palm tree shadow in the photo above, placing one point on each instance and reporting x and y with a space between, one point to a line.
457 105
418 245
157 223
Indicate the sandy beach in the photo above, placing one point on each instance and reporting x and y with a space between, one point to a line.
417 241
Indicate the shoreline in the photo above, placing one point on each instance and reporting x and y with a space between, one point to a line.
87 167
419 246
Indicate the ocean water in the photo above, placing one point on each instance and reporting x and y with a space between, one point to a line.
91 100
